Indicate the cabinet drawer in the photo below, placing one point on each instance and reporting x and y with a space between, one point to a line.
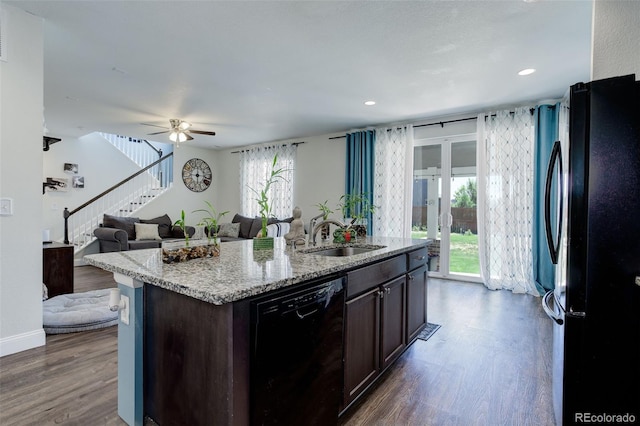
417 258
370 276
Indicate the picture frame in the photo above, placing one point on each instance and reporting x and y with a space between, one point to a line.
77 181
71 168
54 184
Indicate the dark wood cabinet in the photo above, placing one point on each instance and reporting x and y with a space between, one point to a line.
198 356
57 268
416 302
362 343
392 331
375 323
386 309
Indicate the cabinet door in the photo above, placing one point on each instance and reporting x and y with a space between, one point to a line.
392 332
416 302
57 268
361 343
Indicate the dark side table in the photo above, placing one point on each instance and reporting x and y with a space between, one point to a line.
57 268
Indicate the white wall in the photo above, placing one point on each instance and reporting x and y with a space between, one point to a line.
21 100
179 197
320 169
616 37
319 175
101 164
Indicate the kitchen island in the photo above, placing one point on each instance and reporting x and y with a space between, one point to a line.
199 331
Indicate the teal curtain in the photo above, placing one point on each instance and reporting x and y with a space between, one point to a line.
546 119
360 165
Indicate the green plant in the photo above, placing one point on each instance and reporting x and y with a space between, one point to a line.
211 221
355 205
324 209
183 225
466 195
263 195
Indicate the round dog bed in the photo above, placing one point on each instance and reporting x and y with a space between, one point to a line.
73 312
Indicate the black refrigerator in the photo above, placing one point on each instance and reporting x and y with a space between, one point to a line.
592 212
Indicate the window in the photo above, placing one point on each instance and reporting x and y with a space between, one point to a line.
255 167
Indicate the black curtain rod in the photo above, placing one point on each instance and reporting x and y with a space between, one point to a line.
442 123
269 147
439 123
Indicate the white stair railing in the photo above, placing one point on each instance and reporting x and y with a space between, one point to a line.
139 151
142 152
123 199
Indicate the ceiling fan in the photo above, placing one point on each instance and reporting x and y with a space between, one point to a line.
179 131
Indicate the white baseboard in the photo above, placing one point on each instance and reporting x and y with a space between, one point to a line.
22 342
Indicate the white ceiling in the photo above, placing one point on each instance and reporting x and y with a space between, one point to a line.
271 70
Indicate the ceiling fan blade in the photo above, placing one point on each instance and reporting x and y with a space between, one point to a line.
157 133
153 125
189 138
201 132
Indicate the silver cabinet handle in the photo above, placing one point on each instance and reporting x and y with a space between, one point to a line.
381 294
420 258
388 290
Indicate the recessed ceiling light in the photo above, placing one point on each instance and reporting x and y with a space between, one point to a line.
527 71
369 103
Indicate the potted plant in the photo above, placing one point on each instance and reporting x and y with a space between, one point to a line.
326 211
181 254
181 223
210 222
178 254
264 242
357 207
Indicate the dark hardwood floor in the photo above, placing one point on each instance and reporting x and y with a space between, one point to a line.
489 364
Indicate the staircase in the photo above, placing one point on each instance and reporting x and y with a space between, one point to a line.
126 197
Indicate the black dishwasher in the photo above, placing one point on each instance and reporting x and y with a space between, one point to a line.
296 355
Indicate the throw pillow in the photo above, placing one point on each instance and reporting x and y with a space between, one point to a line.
229 230
256 226
119 222
164 225
147 231
245 225
278 229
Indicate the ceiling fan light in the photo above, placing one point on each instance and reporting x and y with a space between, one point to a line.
184 125
182 137
173 136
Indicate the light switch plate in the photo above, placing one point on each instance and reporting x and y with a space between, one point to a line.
6 206
637 280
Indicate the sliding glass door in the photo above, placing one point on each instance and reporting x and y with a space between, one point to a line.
444 204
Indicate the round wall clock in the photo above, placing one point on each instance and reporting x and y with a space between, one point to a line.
196 175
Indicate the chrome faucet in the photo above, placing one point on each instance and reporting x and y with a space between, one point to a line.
312 222
321 224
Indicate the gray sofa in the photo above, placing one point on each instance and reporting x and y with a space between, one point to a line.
248 227
119 233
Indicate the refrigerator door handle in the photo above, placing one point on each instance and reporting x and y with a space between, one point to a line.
576 314
554 246
550 311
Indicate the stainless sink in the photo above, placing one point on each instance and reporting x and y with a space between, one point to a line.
344 251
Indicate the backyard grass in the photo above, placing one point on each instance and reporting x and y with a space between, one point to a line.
464 252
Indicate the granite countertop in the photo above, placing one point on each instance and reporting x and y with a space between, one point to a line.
241 272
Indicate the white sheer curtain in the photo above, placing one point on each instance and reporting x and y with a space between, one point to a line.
505 199
392 191
255 167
